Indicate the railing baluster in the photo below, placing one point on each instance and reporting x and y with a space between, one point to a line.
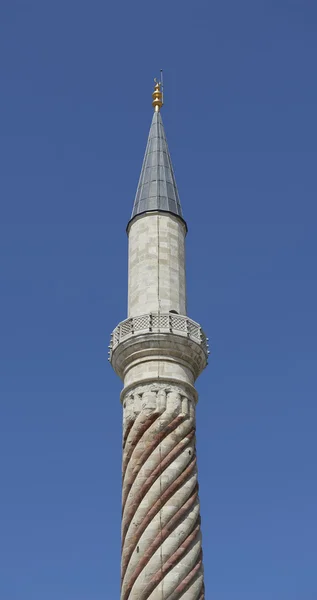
186 327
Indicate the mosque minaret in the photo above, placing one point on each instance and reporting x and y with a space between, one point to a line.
158 352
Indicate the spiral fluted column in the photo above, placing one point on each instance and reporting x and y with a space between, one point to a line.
161 537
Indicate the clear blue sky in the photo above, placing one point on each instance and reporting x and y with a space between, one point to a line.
240 115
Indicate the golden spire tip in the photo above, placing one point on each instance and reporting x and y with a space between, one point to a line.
157 96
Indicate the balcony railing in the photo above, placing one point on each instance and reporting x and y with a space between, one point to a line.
158 323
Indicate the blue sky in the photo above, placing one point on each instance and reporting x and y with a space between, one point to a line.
240 116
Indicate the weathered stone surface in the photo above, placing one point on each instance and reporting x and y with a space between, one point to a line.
157 281
161 538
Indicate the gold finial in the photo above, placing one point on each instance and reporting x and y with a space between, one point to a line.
157 96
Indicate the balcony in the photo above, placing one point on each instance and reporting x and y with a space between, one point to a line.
158 323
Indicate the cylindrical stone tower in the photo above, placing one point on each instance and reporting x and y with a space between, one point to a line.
159 352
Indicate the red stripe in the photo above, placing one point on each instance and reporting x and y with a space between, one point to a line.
139 461
170 564
172 489
161 537
186 583
137 499
138 433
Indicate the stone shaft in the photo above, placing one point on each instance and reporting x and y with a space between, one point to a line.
156 265
161 538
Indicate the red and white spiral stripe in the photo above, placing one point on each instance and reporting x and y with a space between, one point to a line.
161 536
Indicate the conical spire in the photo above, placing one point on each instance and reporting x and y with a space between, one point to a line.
157 189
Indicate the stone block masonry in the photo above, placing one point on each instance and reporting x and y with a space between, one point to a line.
157 281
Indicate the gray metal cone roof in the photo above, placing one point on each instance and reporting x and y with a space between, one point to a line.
157 189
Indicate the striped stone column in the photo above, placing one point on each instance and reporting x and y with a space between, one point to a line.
161 537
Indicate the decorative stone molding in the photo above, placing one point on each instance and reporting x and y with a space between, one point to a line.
158 323
137 352
157 397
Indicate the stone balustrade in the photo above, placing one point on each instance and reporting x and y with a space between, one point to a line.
158 323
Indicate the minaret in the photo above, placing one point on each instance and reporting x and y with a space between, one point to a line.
158 352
